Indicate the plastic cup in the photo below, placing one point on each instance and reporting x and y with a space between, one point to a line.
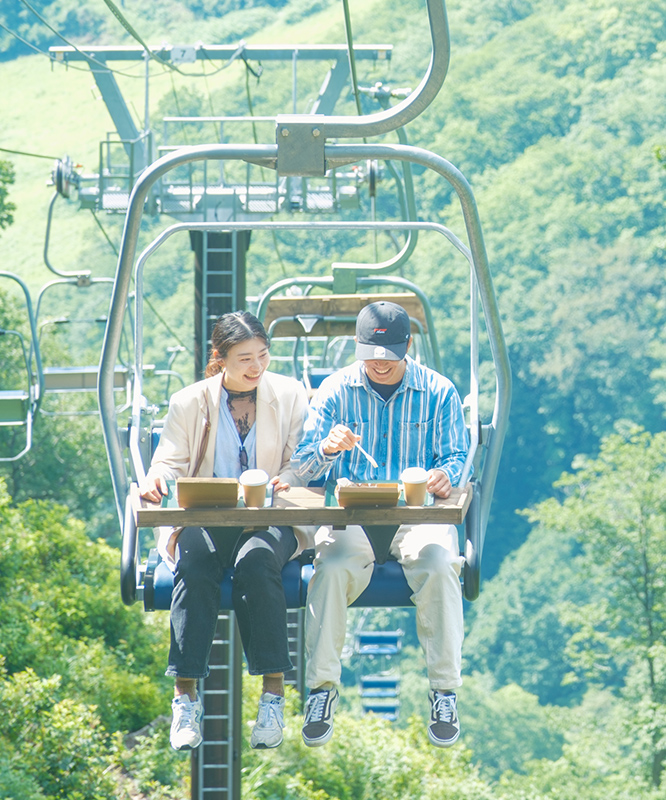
254 482
414 482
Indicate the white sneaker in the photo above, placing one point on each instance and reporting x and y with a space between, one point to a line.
186 733
267 731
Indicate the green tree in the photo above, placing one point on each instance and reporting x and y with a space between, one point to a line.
61 613
616 508
7 208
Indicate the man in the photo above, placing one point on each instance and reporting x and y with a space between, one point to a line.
405 415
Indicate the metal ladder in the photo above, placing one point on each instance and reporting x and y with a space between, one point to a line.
219 282
216 764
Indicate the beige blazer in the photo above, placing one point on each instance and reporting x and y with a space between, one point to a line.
281 408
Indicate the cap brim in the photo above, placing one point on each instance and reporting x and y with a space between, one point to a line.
375 352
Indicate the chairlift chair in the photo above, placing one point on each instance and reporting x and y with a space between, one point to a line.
304 147
19 406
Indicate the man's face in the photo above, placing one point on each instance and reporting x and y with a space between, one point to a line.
385 371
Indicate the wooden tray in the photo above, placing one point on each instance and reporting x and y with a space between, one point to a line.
207 492
367 494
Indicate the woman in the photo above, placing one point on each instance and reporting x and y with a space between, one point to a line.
240 417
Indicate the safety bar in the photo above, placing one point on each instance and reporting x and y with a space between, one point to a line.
266 155
414 104
35 396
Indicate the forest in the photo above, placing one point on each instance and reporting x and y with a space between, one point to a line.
554 111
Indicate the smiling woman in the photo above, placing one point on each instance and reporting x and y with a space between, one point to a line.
239 418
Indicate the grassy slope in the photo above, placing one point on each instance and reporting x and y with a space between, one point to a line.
58 112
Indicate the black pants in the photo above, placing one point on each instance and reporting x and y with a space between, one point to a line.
257 597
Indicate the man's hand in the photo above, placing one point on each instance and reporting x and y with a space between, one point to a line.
339 438
153 489
438 483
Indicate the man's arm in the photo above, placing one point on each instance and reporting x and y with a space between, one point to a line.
322 439
451 439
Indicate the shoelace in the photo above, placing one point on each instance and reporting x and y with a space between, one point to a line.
316 706
266 711
187 712
444 707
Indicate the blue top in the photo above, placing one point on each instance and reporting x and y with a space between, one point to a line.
421 425
228 443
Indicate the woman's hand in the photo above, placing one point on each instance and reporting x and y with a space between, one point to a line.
279 486
153 489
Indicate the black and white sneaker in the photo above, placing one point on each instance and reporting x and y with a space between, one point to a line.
444 725
319 710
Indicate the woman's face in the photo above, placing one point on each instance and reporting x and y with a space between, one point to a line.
244 365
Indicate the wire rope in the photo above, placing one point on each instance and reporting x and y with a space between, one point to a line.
118 14
248 93
160 318
352 57
71 44
31 155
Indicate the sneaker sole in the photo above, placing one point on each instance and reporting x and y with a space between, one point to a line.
440 742
186 747
264 746
318 742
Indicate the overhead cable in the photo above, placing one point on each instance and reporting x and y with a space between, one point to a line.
32 155
71 44
118 14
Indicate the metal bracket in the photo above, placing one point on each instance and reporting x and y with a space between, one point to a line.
300 144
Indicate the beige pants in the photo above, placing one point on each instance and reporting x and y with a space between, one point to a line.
343 567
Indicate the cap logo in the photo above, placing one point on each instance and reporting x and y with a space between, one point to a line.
380 352
380 330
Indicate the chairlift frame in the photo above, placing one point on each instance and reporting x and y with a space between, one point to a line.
302 149
32 398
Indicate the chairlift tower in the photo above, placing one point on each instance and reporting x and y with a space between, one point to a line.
198 193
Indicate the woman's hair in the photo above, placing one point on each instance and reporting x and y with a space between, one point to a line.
229 330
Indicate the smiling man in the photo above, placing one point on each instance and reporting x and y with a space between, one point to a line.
404 415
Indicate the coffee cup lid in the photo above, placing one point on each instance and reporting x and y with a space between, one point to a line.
414 475
253 477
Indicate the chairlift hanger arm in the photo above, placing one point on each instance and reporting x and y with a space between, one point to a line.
408 109
266 52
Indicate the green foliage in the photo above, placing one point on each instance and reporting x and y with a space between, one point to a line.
366 758
61 611
517 632
155 768
53 742
617 510
7 177
529 730
599 761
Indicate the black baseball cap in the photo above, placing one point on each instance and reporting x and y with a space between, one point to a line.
382 332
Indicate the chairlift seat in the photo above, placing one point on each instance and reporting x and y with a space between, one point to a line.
388 586
378 643
386 682
80 379
335 314
14 405
389 712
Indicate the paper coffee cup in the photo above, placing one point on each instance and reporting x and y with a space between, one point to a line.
254 482
414 482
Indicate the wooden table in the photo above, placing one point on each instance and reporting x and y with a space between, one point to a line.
306 506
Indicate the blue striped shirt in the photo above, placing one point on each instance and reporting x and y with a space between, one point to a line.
421 425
